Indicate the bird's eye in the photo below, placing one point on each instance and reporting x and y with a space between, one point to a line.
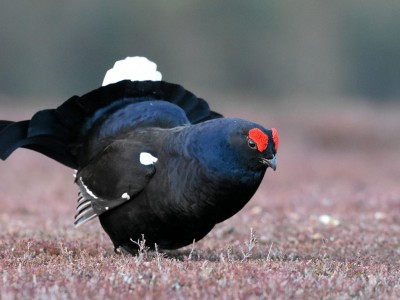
251 144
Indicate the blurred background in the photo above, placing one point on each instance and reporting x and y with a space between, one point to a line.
326 74
258 50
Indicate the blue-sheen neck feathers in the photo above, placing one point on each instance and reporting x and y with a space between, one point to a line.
210 142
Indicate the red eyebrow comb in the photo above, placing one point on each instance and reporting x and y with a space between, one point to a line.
275 137
260 138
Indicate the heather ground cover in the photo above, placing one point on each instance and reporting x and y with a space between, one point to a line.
325 225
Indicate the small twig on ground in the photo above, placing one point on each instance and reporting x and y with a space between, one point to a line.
191 250
142 250
229 253
158 257
249 245
269 251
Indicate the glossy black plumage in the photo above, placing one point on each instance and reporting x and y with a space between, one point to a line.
151 159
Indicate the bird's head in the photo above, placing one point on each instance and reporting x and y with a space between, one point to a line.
266 143
257 146
236 146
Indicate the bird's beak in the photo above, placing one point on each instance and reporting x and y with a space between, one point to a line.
270 162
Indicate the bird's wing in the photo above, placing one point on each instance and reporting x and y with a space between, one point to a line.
115 175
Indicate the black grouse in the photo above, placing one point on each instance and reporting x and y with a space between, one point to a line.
151 158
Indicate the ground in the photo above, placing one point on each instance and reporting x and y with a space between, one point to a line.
324 225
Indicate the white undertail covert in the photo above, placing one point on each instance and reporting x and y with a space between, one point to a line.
135 68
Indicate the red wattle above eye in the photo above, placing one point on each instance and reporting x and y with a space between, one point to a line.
260 138
275 137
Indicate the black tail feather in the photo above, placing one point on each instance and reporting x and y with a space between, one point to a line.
4 124
11 135
16 135
196 109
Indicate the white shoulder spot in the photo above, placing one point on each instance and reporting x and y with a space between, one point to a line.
147 159
132 68
125 196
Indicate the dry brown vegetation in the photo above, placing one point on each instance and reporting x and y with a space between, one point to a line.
342 163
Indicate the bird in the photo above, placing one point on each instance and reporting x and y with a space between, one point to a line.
152 161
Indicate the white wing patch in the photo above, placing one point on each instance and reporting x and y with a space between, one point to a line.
147 159
133 68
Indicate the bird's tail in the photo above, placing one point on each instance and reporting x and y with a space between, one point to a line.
45 133
4 124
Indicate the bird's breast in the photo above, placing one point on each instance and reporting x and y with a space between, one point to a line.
183 188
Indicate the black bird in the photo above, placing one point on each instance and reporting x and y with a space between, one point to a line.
151 157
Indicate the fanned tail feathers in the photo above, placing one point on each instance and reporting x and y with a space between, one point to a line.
84 211
55 132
